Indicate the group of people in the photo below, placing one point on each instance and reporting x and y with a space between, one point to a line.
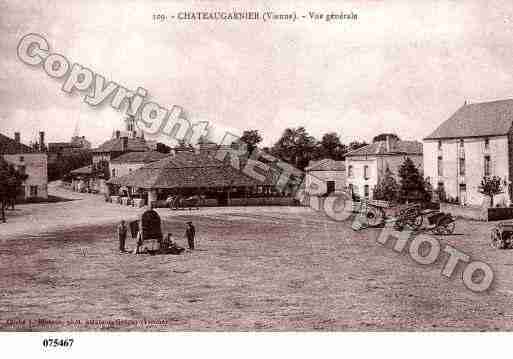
166 244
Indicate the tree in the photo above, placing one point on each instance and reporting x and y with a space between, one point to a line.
330 146
251 138
491 186
412 184
383 137
10 183
68 162
387 188
296 147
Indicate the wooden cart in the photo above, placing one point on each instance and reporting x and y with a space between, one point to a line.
502 235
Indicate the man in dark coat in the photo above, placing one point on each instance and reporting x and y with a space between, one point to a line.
190 234
122 232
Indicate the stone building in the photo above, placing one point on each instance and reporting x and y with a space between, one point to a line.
29 161
476 141
324 177
366 165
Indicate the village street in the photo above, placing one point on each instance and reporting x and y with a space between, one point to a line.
278 268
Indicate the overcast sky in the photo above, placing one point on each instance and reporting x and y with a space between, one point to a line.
400 67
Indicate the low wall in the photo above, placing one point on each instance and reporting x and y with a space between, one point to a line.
498 214
262 201
478 213
240 202
467 212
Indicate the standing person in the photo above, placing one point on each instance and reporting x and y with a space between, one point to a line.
122 231
190 233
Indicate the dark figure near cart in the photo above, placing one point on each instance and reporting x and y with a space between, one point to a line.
190 234
122 232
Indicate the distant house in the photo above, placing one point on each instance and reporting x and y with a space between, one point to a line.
116 147
28 161
476 141
366 165
132 161
130 140
325 176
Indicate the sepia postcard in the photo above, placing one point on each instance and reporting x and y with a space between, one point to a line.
255 166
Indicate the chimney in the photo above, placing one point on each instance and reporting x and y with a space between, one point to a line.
17 137
124 144
118 133
41 141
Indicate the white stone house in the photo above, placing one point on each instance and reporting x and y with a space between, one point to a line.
324 177
365 166
476 141
26 160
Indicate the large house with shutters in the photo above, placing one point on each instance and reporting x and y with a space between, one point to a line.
29 161
476 141
365 166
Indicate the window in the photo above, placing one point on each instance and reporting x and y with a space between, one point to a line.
462 143
487 143
366 172
113 172
330 187
22 158
350 171
33 191
440 145
440 166
350 188
462 166
487 169
366 191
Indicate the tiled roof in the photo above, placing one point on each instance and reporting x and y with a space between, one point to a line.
326 164
87 170
186 170
396 148
476 120
140 157
10 146
116 145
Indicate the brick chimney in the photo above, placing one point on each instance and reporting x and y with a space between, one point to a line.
124 144
17 137
41 141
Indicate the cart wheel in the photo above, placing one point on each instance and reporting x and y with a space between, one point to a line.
415 223
374 217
